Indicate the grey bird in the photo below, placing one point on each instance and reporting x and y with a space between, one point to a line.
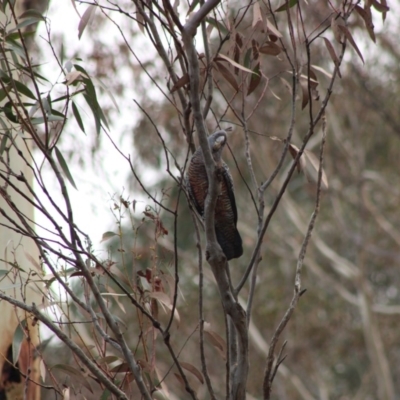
225 218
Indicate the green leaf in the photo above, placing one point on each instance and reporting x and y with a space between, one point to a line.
108 235
24 90
3 272
32 13
8 111
3 94
26 22
192 6
15 48
78 117
17 35
91 99
64 167
3 76
3 144
56 118
247 58
288 4
76 374
28 70
19 336
21 88
221 28
50 118
105 395
255 79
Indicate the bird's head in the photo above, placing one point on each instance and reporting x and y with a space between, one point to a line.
217 142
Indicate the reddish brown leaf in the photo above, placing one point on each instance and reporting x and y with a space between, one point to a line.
108 360
191 368
365 14
229 77
271 48
146 366
351 40
305 94
336 31
180 83
381 7
311 82
256 52
333 55
255 79
294 150
180 379
215 339
123 367
257 16
237 50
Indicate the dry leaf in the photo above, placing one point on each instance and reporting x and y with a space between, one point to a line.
43 370
229 77
34 262
164 300
257 16
120 368
274 94
336 31
237 50
66 394
255 79
333 55
381 7
256 52
180 83
72 76
351 40
215 339
235 64
287 85
271 28
146 366
191 368
86 17
140 20
294 150
365 14
116 297
320 69
311 169
305 93
180 379
271 48
170 282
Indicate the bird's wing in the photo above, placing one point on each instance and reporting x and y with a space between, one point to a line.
195 187
229 185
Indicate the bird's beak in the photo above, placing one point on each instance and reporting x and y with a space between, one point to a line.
219 142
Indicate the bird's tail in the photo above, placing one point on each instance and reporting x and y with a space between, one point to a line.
230 242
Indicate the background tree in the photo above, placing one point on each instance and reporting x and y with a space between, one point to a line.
18 252
255 67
